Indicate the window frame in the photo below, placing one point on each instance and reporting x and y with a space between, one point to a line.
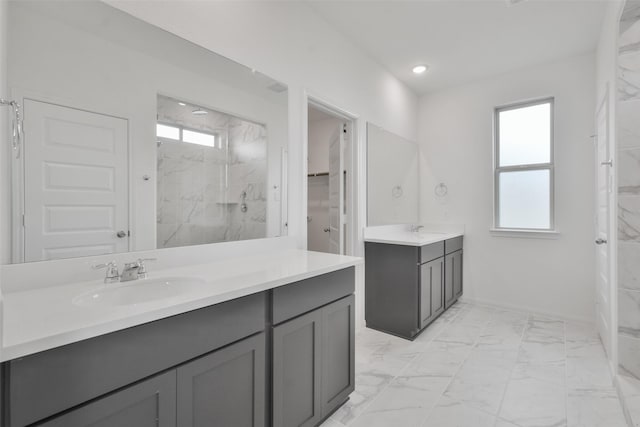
217 137
549 166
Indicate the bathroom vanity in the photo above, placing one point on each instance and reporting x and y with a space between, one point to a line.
411 277
270 345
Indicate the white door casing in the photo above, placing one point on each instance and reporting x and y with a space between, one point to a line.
604 198
76 197
336 186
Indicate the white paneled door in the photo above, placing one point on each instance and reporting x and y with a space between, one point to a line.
336 187
76 186
604 194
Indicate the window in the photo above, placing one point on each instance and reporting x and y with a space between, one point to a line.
173 133
524 166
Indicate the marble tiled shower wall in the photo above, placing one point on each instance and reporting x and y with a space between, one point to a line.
201 189
628 146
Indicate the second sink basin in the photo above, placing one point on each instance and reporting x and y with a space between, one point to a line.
138 291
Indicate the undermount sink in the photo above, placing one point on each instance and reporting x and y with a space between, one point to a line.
138 292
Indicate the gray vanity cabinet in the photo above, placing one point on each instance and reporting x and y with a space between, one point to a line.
453 277
297 371
225 387
338 351
408 287
313 364
279 358
150 403
431 290
453 271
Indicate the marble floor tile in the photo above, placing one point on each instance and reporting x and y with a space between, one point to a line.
408 392
530 402
371 379
410 417
480 383
587 365
479 366
461 333
548 372
629 390
594 408
452 413
540 352
441 358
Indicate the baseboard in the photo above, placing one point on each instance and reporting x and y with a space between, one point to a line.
516 307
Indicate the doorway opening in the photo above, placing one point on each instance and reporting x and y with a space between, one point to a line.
330 142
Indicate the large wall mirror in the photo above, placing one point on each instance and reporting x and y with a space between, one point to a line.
392 178
134 138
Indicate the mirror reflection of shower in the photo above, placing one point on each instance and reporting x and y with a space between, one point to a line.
212 175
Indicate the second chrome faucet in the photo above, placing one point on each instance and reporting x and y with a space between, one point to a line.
132 271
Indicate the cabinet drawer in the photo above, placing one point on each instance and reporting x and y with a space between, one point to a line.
431 252
150 403
46 383
453 245
301 297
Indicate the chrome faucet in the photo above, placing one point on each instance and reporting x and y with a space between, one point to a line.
132 271
112 275
416 228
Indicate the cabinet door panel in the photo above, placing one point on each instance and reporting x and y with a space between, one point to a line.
449 296
297 371
431 298
151 403
338 340
457 274
437 288
225 388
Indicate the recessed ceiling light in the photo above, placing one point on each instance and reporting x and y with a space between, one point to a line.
419 69
182 104
199 112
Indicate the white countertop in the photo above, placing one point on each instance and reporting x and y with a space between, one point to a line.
402 235
41 319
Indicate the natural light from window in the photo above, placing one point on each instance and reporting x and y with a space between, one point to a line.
177 133
524 167
199 138
169 132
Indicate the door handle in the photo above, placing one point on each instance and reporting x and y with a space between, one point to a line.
600 241
121 234
607 163
326 230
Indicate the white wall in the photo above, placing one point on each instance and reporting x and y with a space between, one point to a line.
290 42
554 276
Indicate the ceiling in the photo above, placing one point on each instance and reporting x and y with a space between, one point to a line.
465 40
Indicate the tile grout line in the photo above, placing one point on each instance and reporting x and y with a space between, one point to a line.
504 392
399 373
448 324
474 345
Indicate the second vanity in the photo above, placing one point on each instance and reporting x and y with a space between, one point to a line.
270 344
412 276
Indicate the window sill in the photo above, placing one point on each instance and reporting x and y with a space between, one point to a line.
524 234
